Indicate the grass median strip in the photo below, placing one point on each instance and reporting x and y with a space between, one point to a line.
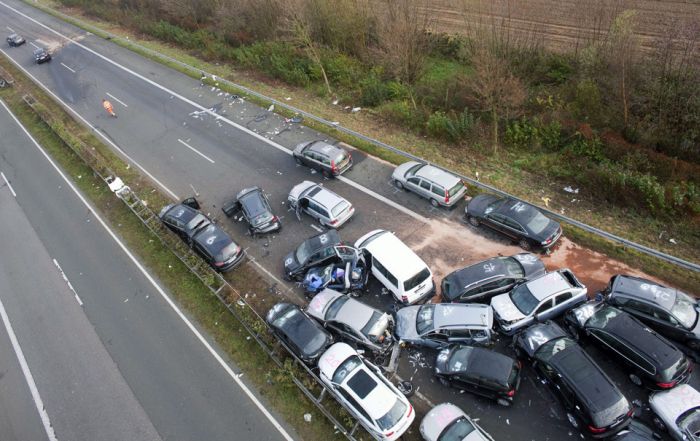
271 381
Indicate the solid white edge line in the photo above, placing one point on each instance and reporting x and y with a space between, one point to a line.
12 190
196 151
116 99
216 115
67 67
28 375
155 284
98 132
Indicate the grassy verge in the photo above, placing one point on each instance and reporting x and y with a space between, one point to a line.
271 381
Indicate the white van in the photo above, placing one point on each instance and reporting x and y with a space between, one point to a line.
399 269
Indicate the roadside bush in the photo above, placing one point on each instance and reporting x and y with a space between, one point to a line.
587 103
550 136
522 134
403 112
342 70
277 59
373 91
453 127
591 149
437 125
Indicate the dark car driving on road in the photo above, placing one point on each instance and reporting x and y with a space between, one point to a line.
41 55
15 40
206 238
669 311
255 208
518 220
481 281
323 249
479 371
592 401
329 159
298 332
653 361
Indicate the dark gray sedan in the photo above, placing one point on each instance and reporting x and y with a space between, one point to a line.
298 332
255 208
329 159
15 40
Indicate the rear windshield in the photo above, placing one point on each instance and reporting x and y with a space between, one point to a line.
513 267
456 189
424 318
227 252
393 416
346 368
457 431
253 205
523 299
416 280
538 223
340 158
339 208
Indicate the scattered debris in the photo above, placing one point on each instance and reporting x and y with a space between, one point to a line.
355 109
569 189
271 108
307 417
673 241
288 98
546 201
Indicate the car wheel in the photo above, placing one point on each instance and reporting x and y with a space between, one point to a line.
434 203
503 402
406 388
398 185
473 221
659 424
634 378
525 244
572 420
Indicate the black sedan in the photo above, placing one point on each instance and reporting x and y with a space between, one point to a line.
298 332
323 249
15 40
652 360
207 239
483 280
518 220
255 208
592 402
41 55
479 371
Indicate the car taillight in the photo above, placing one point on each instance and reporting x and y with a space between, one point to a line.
219 263
631 412
594 429
666 385
274 219
388 433
334 221
333 167
410 411
447 197
511 393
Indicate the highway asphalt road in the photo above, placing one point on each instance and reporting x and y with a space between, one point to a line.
192 138
111 358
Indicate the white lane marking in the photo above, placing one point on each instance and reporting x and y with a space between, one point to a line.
196 151
10 29
65 278
12 190
116 99
320 230
215 115
37 47
157 287
28 375
87 123
67 67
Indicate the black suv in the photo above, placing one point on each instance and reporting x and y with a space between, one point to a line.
299 333
322 249
669 311
654 361
518 220
479 371
41 55
329 159
201 234
15 40
593 403
254 206
483 280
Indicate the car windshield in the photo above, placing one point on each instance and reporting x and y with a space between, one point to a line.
460 359
339 208
335 307
456 189
340 157
424 318
684 310
552 347
253 205
416 280
393 416
538 223
457 431
523 299
197 222
601 317
346 368
513 267
304 251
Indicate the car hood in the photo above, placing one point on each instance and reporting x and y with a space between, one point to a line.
479 203
290 262
505 309
399 173
406 323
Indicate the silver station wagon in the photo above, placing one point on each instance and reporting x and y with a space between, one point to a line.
438 186
320 203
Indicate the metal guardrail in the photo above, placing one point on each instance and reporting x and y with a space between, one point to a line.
335 126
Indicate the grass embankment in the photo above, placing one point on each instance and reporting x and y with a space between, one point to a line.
271 381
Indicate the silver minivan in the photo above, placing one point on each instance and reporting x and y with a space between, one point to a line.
320 203
438 186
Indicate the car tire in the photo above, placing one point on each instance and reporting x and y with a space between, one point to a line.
406 388
634 378
503 402
659 424
473 221
398 184
572 420
525 244
298 160
434 203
